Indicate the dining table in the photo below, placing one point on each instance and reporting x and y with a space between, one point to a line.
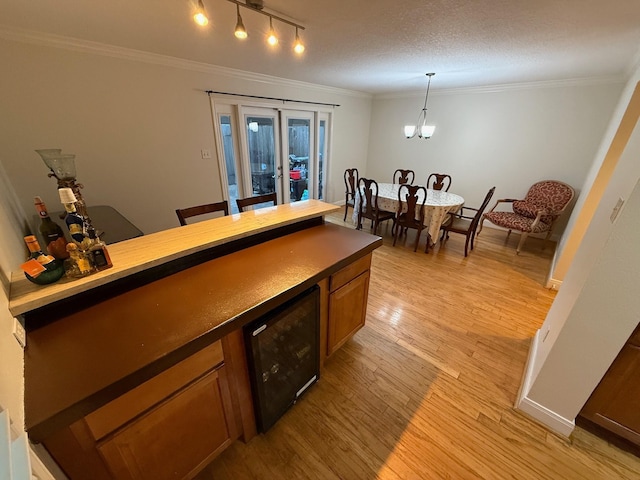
438 204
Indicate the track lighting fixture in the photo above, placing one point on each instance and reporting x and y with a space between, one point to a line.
200 17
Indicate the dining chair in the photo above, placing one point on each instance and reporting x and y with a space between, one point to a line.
368 206
404 176
466 224
184 213
441 181
411 200
350 184
245 202
536 213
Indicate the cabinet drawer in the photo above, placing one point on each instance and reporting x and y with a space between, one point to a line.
126 407
348 273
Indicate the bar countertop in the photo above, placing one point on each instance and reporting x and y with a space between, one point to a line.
89 357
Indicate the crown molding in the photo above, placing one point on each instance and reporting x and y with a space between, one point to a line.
96 48
570 82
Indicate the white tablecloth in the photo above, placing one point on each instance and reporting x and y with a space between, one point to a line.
438 204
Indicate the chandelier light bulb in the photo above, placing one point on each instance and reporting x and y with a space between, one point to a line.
200 17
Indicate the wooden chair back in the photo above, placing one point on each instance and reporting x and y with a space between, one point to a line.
368 205
410 214
404 176
184 213
411 200
441 181
246 202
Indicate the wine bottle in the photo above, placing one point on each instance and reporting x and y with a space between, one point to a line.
52 234
98 251
74 222
41 268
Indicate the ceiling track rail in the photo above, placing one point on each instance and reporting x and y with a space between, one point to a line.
283 100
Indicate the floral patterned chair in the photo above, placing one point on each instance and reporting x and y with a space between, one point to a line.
536 213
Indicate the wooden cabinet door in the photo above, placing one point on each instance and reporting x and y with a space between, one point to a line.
615 403
176 439
347 311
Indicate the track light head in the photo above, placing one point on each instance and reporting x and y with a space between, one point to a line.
200 15
298 46
240 31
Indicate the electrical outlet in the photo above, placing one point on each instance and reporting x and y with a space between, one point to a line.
19 332
206 153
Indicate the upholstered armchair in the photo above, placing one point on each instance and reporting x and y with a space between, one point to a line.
536 213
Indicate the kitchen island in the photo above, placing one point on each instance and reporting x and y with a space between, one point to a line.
140 370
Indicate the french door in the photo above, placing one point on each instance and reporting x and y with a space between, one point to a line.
263 150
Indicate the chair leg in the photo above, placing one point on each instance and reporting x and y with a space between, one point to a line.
415 247
395 236
359 226
426 248
346 209
466 246
523 237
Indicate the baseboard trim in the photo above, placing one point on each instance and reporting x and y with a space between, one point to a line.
548 418
542 414
553 284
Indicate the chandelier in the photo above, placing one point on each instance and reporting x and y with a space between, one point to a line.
201 18
422 129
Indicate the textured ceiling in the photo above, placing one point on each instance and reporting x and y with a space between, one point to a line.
379 46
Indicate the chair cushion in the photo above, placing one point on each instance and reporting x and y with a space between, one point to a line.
514 221
530 210
550 194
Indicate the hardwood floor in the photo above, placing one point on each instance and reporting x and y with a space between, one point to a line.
426 389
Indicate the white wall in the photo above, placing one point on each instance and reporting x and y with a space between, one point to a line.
12 253
137 126
509 138
597 306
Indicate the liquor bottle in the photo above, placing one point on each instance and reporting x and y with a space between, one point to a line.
78 264
98 251
74 222
41 268
54 239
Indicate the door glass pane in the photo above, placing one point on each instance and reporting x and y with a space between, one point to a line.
299 130
229 160
262 158
321 150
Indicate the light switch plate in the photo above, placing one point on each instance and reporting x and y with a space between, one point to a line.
616 210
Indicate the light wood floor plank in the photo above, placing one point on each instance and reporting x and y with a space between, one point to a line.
426 389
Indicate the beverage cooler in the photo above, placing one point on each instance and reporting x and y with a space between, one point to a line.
283 356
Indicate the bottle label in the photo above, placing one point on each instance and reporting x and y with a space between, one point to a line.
84 265
99 259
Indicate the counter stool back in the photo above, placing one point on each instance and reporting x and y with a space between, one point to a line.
184 213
